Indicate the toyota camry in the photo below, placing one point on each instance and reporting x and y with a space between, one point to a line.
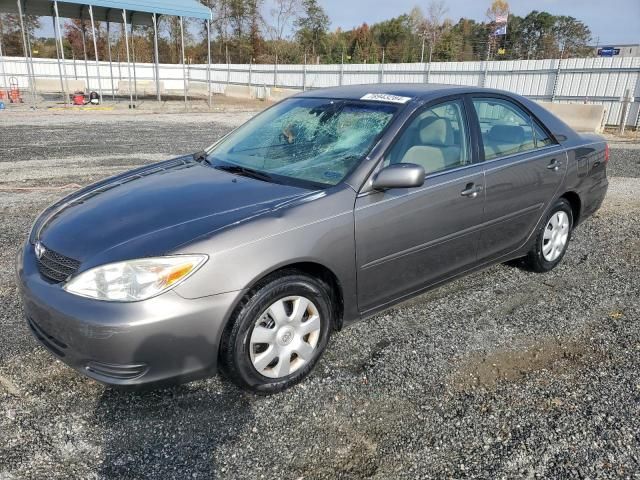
324 209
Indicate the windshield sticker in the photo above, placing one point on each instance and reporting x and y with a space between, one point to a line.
385 97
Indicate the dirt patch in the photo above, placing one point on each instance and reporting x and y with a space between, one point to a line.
487 370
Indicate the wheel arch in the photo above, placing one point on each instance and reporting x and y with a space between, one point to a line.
305 267
576 205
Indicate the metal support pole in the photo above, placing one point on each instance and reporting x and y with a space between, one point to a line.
341 69
157 56
126 41
184 72
5 85
59 38
27 55
86 60
133 56
55 33
250 73
209 60
113 90
95 49
381 79
304 73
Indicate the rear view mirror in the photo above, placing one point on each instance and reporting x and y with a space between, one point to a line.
399 175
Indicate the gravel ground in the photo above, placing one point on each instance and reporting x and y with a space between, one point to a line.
502 374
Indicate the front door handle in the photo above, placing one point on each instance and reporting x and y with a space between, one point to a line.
471 190
554 165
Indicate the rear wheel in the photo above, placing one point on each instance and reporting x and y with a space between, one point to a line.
552 239
278 333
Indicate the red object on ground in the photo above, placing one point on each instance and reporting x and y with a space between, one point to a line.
14 91
14 95
78 98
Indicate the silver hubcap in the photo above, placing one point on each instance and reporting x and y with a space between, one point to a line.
285 337
556 234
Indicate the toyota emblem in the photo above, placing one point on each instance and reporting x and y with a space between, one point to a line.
40 250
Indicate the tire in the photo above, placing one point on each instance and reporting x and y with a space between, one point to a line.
275 311
544 257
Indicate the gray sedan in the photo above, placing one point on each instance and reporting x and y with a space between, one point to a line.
325 209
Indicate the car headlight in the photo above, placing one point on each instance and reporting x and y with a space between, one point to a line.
134 280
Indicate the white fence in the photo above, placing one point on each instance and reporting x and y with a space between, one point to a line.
577 80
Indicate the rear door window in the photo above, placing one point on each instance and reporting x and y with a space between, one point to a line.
507 129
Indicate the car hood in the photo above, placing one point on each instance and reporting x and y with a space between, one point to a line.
154 210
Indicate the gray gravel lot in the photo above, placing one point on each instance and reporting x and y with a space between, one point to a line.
503 374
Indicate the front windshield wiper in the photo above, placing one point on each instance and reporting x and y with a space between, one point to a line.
245 172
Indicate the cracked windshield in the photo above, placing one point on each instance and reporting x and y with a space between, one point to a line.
312 142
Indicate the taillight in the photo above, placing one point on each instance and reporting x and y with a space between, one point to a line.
606 152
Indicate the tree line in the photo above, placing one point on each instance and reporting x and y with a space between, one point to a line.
297 31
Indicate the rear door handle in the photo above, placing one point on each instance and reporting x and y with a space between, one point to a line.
471 190
554 165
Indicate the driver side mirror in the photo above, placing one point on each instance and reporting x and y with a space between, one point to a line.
399 175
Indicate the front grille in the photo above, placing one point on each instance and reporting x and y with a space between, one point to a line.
56 267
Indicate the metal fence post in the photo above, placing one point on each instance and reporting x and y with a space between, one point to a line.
557 78
637 122
341 79
304 73
626 100
226 52
275 72
381 77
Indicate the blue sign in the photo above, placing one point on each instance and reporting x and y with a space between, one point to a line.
501 30
608 51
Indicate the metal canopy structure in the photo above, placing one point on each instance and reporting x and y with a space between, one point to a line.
109 10
125 12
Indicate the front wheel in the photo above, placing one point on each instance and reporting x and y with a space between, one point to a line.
552 238
278 333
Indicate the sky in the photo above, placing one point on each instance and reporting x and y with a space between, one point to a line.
613 21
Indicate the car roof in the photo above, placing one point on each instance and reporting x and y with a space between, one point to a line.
427 92
412 90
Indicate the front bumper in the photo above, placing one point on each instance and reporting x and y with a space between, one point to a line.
164 339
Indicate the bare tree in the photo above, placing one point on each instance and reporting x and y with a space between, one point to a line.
283 14
433 24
